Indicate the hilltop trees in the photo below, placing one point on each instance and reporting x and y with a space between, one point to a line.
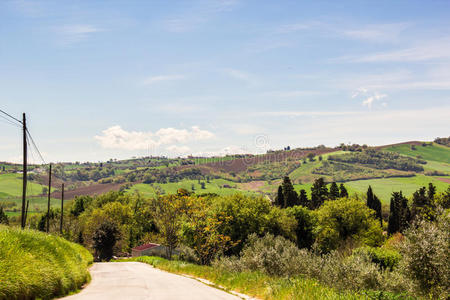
374 203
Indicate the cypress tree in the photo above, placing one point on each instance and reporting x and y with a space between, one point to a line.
374 203
431 191
303 198
399 215
334 191
290 196
393 224
319 193
343 191
279 200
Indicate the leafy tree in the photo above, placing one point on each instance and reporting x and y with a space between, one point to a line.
342 191
399 214
3 217
279 200
431 191
423 205
303 198
334 191
80 204
319 193
374 203
346 219
104 238
304 229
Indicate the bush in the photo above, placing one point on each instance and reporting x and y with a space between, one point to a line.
426 257
385 258
37 265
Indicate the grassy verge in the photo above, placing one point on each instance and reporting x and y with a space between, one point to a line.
253 284
36 265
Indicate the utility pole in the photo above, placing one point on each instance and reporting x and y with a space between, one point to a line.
24 179
26 213
49 190
62 209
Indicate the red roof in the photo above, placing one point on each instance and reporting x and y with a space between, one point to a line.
145 246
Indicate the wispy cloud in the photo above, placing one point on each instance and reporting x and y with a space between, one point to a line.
197 15
305 113
368 97
241 75
424 51
159 78
376 33
76 33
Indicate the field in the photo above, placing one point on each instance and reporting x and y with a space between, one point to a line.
37 265
215 186
433 152
11 184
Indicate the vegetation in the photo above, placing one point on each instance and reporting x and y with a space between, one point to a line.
37 265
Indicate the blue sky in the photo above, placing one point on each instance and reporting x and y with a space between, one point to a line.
117 79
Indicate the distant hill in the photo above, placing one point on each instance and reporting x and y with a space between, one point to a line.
404 166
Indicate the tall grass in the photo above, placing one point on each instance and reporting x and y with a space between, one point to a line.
37 265
254 284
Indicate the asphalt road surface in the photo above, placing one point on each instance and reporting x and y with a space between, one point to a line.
134 280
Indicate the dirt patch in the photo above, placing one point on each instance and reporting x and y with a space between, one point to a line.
446 180
92 190
253 185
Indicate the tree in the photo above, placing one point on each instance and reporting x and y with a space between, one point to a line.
346 220
304 230
319 193
80 204
303 198
104 239
334 191
399 214
279 200
423 206
310 156
290 196
3 217
374 203
343 191
202 184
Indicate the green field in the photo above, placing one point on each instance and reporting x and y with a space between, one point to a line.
11 184
433 152
215 186
437 166
384 187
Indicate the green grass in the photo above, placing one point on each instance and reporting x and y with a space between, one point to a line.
11 184
37 265
437 166
215 186
435 152
384 187
37 204
253 284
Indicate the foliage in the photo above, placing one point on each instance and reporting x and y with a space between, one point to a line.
104 238
305 226
319 193
334 191
423 206
38 265
374 203
287 196
346 220
426 257
383 257
399 213
3 217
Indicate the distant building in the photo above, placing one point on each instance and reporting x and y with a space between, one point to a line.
150 249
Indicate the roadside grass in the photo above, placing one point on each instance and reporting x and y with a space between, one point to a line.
11 184
214 186
434 152
253 284
384 187
37 265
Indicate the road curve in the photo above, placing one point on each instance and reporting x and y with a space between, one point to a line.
134 280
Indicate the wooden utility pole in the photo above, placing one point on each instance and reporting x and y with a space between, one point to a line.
49 190
24 180
26 213
62 209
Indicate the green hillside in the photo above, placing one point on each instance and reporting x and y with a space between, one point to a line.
432 151
11 185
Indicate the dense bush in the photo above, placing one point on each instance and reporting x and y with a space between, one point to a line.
385 258
37 265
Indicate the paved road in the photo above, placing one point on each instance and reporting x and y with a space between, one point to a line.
133 280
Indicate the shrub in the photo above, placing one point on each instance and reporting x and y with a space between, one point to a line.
426 257
383 257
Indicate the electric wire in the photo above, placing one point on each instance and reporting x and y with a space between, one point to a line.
5 113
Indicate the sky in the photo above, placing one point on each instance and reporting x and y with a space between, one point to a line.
116 79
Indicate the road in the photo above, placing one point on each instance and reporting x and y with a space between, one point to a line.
134 280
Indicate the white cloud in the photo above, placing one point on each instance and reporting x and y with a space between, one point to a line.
376 33
369 97
180 150
117 138
305 113
224 151
159 78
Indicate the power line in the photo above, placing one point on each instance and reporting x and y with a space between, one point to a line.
35 147
8 121
17 120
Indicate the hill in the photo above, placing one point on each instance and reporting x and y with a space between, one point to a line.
406 166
